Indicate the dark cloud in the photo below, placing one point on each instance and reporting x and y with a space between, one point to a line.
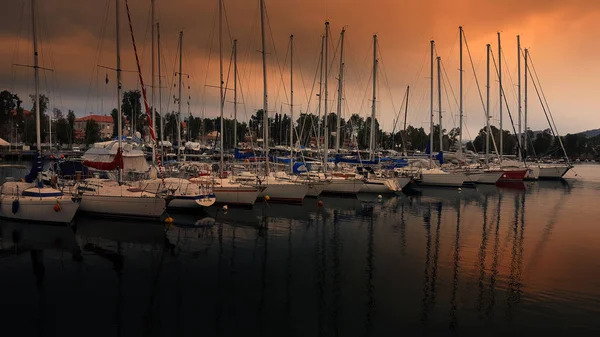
78 35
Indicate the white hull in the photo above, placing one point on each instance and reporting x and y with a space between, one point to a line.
553 172
379 186
236 195
344 186
37 209
533 173
284 192
192 202
402 182
443 179
123 206
485 177
315 188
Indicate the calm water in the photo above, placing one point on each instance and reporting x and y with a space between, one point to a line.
487 261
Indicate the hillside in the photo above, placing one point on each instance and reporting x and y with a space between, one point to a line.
591 133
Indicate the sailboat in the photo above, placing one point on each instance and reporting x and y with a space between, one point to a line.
275 189
436 176
376 183
113 198
31 200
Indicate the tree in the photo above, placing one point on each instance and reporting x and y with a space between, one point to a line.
44 102
92 132
114 114
62 131
71 121
131 109
8 103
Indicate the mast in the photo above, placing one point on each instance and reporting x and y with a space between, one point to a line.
373 107
519 137
179 100
431 106
291 103
37 90
221 100
460 33
487 107
265 100
152 85
120 118
162 134
500 94
439 59
326 111
405 115
320 94
340 93
235 123
525 142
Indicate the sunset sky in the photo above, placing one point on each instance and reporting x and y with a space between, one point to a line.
76 36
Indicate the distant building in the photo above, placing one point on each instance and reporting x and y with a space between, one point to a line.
105 123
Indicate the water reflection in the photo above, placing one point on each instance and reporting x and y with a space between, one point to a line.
440 262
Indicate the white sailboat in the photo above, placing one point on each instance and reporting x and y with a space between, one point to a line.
31 200
112 198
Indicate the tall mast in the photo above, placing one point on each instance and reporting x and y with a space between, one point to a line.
340 94
500 94
487 106
265 100
291 103
519 137
431 106
439 80
460 37
373 107
152 85
221 100
405 115
320 94
36 97
162 134
235 123
525 142
179 100
120 118
326 111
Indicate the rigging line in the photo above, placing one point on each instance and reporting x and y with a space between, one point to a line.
446 84
17 43
474 73
509 76
387 83
211 37
277 61
52 64
543 95
546 112
309 98
98 49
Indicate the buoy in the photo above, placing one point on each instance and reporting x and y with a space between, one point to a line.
169 220
379 196
459 189
225 208
320 203
57 207
267 198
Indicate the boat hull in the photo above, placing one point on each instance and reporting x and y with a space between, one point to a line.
344 186
512 175
236 195
123 206
315 188
287 193
553 172
443 180
379 186
37 209
192 202
486 177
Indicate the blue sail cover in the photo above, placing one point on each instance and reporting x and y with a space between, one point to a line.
36 168
440 157
242 154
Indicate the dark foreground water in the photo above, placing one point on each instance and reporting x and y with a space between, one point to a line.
523 260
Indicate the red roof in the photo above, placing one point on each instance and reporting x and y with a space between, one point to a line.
97 118
25 112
